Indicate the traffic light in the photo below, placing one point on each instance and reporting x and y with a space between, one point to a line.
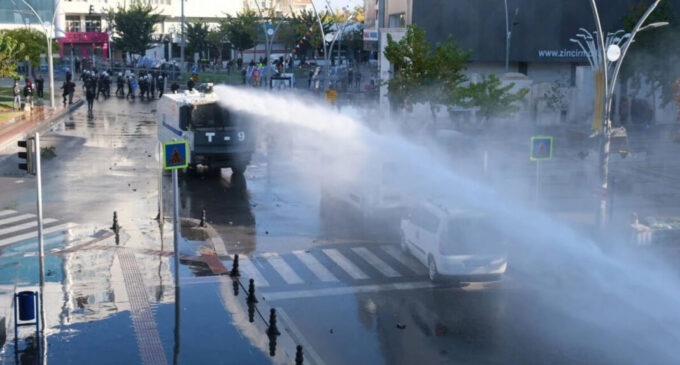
91 9
29 165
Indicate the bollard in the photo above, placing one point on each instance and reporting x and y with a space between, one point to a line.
299 358
272 345
203 219
235 286
251 292
234 268
272 330
251 312
115 227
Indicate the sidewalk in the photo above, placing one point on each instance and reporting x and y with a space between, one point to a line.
18 127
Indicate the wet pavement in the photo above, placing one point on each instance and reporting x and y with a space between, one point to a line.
343 289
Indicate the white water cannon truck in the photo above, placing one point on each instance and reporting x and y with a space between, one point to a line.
218 137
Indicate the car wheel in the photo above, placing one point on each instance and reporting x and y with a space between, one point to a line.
404 244
432 269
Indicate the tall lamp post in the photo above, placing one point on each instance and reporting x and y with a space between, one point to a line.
508 33
606 53
49 28
328 38
269 35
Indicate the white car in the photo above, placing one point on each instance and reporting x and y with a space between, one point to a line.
459 244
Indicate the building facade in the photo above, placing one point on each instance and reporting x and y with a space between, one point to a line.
538 40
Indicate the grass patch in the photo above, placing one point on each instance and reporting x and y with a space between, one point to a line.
7 116
214 77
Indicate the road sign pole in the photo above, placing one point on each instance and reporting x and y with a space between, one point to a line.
175 224
41 248
160 185
538 180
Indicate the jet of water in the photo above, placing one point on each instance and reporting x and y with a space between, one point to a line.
624 297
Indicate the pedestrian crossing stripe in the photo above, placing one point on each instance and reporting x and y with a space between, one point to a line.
14 226
284 267
321 272
344 263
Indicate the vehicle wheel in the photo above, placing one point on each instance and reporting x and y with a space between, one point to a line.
404 245
432 269
239 168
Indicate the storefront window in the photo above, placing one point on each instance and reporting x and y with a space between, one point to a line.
93 24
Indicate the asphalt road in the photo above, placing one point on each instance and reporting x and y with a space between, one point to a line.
342 287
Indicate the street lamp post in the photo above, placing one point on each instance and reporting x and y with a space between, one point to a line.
330 39
183 41
599 58
269 35
48 35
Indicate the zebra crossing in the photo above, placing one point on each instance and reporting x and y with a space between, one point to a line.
324 267
17 227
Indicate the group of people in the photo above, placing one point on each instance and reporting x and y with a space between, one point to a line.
145 85
148 83
27 92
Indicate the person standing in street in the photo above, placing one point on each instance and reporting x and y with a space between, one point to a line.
28 93
40 85
160 84
16 91
90 90
190 84
120 85
357 79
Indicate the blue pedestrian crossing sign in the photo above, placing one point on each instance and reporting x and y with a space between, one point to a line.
175 155
541 148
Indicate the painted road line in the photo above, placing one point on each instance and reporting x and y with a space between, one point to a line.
34 234
376 262
24 226
284 270
324 292
6 212
342 261
315 266
251 272
405 260
15 219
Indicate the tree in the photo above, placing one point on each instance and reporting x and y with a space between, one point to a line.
421 75
197 37
241 30
134 27
35 44
492 99
215 39
9 48
307 29
649 60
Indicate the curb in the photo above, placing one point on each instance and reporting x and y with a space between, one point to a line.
31 128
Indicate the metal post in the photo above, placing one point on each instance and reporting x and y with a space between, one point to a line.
41 248
538 180
175 224
50 66
183 43
507 38
160 184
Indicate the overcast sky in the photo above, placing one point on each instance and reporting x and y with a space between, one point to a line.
338 3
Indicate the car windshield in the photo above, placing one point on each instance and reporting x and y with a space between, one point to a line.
473 235
210 116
